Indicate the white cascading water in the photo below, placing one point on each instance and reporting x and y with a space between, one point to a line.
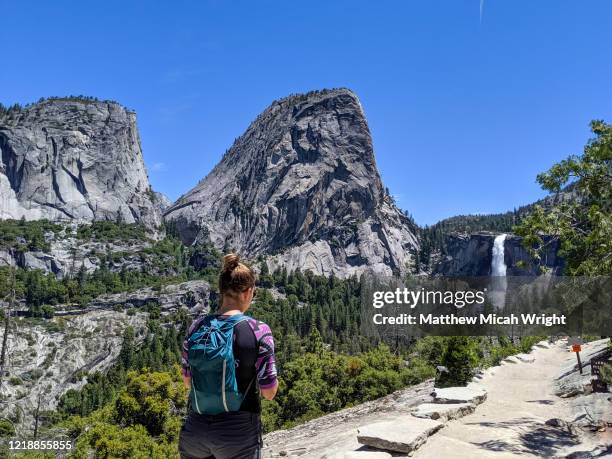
499 283
498 263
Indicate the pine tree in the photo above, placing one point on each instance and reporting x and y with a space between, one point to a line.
315 342
126 355
460 358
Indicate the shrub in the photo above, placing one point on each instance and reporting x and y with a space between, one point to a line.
605 374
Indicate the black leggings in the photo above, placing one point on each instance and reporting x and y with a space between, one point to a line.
232 435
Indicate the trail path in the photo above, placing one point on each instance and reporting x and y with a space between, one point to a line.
510 423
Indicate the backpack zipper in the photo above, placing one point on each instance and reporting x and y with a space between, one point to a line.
223 386
195 397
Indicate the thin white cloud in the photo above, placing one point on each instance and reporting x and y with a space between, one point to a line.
158 167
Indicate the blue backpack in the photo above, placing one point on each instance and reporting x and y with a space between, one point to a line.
214 388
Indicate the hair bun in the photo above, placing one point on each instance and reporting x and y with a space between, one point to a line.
230 262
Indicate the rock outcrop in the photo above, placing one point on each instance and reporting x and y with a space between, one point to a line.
301 185
162 201
504 414
193 295
336 433
442 411
67 254
572 382
471 254
401 435
47 360
74 159
473 394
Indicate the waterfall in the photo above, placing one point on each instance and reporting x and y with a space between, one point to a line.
498 264
499 283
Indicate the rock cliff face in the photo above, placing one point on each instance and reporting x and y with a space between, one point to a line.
470 255
162 201
47 360
73 159
67 254
301 185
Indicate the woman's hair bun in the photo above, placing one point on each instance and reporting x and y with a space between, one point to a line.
235 276
230 262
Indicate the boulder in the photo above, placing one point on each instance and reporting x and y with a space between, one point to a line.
592 409
443 411
572 385
403 434
470 394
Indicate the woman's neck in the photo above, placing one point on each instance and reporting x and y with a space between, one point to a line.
229 310
229 306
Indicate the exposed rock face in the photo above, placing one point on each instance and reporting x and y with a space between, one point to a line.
570 381
301 184
335 433
470 255
516 255
49 361
162 201
50 358
67 254
74 160
190 294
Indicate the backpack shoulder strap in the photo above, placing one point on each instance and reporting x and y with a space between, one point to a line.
235 319
198 327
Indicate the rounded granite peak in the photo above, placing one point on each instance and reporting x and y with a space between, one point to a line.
302 174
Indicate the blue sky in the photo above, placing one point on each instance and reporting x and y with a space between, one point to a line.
464 112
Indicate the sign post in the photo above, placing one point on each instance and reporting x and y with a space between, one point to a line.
576 347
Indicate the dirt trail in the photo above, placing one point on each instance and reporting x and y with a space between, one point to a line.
509 424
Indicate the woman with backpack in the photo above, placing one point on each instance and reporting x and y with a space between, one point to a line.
228 360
